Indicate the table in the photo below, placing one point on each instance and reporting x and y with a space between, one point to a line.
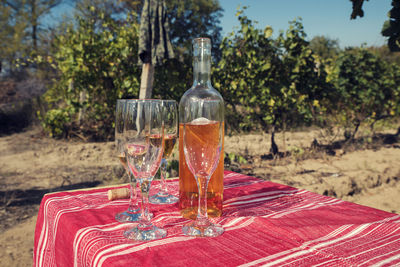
265 224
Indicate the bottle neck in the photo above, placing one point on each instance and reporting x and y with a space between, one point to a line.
202 79
202 65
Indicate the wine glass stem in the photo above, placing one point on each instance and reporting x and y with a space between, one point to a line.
163 185
145 216
202 216
133 203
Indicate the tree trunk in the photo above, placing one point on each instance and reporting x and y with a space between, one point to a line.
274 148
34 24
357 125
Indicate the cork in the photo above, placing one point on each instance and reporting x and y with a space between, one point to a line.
118 193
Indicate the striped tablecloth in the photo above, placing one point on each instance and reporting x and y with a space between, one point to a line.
265 224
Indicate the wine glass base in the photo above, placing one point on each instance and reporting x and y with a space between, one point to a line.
145 233
163 198
209 230
129 216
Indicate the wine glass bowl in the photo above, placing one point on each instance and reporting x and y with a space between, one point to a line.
144 133
202 147
170 119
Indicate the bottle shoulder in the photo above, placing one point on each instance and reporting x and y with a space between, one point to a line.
201 92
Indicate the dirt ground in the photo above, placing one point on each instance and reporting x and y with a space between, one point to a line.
32 165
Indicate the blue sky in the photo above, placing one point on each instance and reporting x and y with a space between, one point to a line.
330 18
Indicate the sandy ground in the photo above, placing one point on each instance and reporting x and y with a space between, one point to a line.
32 165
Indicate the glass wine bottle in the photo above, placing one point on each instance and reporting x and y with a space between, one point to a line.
200 90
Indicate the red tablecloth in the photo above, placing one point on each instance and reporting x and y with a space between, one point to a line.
265 224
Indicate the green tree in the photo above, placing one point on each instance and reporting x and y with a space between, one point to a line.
384 53
188 20
303 82
269 82
390 28
13 37
366 86
96 66
325 48
33 10
21 38
115 9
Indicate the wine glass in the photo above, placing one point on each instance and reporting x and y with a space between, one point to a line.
132 214
170 118
202 144
144 134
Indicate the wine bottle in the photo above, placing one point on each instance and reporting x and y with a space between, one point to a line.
201 89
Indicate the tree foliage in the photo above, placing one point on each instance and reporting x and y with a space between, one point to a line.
13 37
97 65
96 59
273 82
366 86
324 48
268 83
188 20
21 21
390 28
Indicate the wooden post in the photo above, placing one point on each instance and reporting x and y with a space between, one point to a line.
146 81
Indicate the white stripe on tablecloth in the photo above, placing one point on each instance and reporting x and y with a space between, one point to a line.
233 222
127 248
244 224
166 214
310 206
316 246
43 240
81 233
282 253
95 197
304 251
382 255
44 233
383 245
107 228
259 199
99 259
76 209
377 224
229 186
240 200
374 229
358 263
305 204
388 260
382 239
98 241
232 176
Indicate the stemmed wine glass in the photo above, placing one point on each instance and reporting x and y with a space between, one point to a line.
132 214
170 118
202 144
144 144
